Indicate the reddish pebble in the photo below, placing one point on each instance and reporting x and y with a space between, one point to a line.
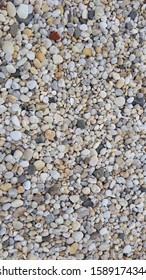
54 36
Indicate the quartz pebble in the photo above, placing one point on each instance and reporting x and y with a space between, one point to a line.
8 47
16 135
22 11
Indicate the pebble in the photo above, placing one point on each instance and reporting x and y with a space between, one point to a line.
17 225
127 249
39 164
82 212
16 135
17 203
14 29
10 68
57 59
119 101
81 123
93 161
11 9
22 11
8 47
74 248
54 36
77 236
31 84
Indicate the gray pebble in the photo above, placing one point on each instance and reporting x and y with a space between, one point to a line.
77 33
82 212
129 25
21 179
50 218
99 172
91 14
14 29
31 169
81 124
133 14
26 21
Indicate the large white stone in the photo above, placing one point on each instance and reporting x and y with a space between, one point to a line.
11 9
15 135
22 11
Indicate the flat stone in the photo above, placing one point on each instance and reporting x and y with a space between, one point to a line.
31 84
99 172
77 33
82 212
17 203
28 154
10 68
49 218
133 14
88 203
3 109
14 29
22 11
15 120
31 256
129 26
49 134
57 59
31 169
74 198
91 14
17 225
139 101
74 248
15 135
21 179
127 249
103 231
11 10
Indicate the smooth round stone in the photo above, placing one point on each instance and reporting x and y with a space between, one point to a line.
104 247
39 164
77 236
56 13
74 248
82 212
75 225
28 154
119 101
93 161
74 198
12 192
22 11
17 225
17 203
103 231
16 135
31 84
15 120
11 9
55 174
7 47
83 27
57 59
10 68
116 76
31 256
6 206
3 109
127 249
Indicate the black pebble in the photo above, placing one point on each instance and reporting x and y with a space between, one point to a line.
81 124
88 203
99 148
138 101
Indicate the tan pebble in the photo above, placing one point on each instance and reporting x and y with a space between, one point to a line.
120 83
31 257
20 189
40 56
39 164
2 141
98 50
33 70
8 47
45 8
28 32
74 40
49 134
58 75
87 52
60 7
11 98
5 187
74 248
37 63
37 9
50 20
40 106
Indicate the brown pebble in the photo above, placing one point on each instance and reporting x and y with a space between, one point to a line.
54 36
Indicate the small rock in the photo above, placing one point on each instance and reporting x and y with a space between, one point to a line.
22 11
54 36
103 231
31 256
77 33
87 52
21 179
7 47
49 218
28 154
55 175
11 9
10 68
120 83
17 203
74 248
40 56
133 14
104 247
15 120
129 26
81 124
14 29
93 161
77 236
139 101
119 101
39 164
82 212
3 109
16 135
57 59
127 249
31 84
17 225
31 169
26 21
99 172
91 14
74 198
99 148
49 134
88 203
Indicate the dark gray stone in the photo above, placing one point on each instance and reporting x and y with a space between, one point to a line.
81 124
16 74
39 140
99 172
88 203
31 169
121 235
91 14
143 189
99 148
139 101
22 179
133 14
26 21
77 33
129 25
14 29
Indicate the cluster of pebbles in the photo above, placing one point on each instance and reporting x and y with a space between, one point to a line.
72 129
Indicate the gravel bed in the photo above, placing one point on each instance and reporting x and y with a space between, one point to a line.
72 129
